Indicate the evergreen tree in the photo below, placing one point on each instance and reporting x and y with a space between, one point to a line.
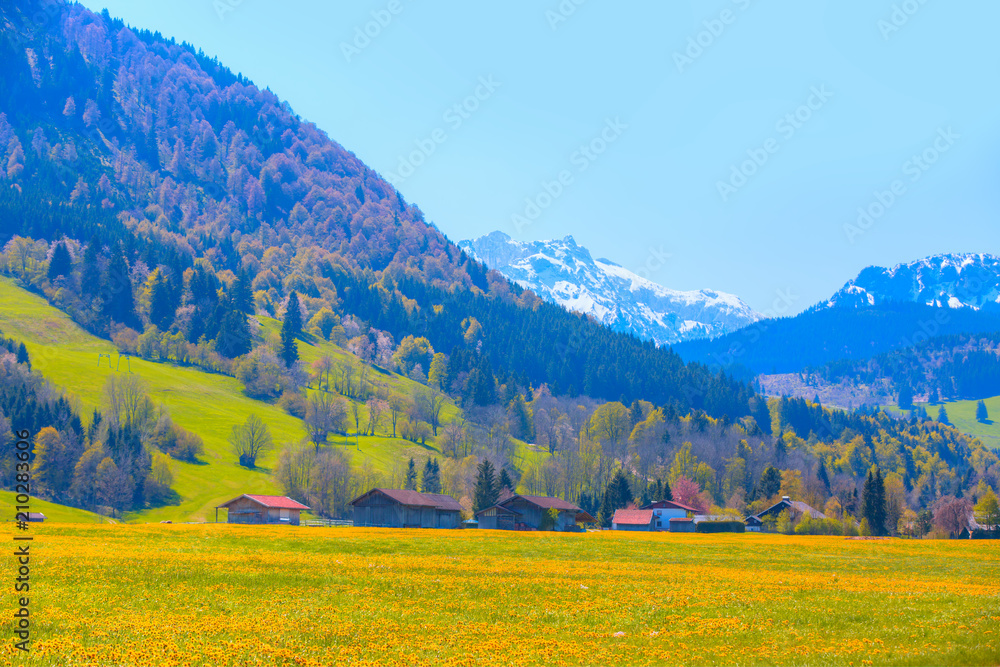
982 414
431 479
770 482
289 346
635 412
242 294
505 482
607 511
161 303
822 476
486 492
411 476
118 303
22 356
61 264
293 316
943 416
484 386
667 494
290 328
905 400
619 492
873 502
90 274
881 512
234 335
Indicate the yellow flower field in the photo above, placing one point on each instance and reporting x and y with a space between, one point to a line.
242 595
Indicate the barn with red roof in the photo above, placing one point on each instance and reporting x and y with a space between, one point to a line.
633 519
253 508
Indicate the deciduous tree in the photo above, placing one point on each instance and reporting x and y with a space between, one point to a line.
250 439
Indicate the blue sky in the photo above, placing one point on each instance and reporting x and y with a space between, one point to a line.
725 144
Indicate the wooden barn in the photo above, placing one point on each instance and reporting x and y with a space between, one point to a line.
262 509
795 508
525 513
396 508
632 519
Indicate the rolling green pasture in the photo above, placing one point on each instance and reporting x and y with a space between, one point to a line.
962 414
206 403
53 512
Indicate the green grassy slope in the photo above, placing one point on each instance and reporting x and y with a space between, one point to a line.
205 403
53 513
962 414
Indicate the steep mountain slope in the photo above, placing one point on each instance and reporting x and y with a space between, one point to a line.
160 164
955 281
562 272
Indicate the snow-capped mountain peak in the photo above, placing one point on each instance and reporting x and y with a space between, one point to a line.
565 273
956 281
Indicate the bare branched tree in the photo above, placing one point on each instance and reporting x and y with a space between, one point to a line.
250 439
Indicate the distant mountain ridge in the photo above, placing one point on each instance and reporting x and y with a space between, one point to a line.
562 272
881 310
952 280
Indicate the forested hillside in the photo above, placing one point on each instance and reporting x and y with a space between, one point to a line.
945 368
821 335
161 168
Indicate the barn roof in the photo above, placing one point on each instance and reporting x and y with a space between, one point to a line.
274 502
670 504
417 499
796 505
633 517
545 502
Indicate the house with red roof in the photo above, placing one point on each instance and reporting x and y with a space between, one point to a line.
666 510
633 519
403 508
253 508
519 512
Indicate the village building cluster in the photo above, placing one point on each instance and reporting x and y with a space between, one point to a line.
399 508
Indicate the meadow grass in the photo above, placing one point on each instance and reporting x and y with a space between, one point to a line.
278 595
208 404
53 512
962 414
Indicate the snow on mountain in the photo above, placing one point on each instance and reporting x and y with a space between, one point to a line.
955 281
562 272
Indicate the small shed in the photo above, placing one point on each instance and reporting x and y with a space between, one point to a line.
36 517
632 519
682 525
258 509
403 508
